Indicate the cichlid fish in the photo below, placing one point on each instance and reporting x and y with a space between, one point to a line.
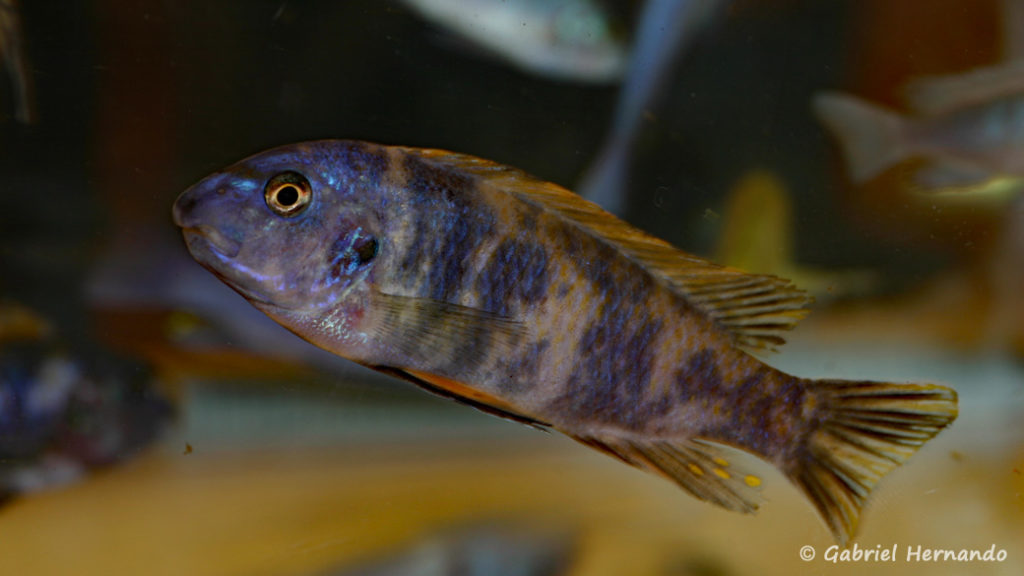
570 40
968 129
518 297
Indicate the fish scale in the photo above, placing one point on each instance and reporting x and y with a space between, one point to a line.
519 298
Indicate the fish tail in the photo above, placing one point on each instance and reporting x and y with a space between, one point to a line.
863 431
872 138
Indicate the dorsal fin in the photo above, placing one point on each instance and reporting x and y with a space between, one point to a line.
755 309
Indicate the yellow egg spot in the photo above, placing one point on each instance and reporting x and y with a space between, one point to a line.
721 462
721 473
752 481
696 470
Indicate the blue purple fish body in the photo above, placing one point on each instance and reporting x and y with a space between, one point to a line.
483 284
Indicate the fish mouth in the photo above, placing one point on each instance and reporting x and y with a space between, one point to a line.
213 239
214 252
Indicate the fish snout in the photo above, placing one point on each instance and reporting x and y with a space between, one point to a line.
200 222
183 208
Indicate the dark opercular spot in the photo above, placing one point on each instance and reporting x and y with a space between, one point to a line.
365 249
352 250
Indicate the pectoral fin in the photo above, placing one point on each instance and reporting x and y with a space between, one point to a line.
434 333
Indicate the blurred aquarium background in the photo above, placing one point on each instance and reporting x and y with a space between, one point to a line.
152 422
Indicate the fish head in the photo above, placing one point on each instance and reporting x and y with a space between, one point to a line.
290 231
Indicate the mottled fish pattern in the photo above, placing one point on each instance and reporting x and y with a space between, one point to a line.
481 283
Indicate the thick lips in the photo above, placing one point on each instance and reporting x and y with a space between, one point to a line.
193 229
214 247
214 258
222 244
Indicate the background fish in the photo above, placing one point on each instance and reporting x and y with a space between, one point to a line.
18 322
573 40
457 274
665 29
15 60
968 128
757 236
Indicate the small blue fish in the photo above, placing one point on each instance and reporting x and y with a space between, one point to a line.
571 40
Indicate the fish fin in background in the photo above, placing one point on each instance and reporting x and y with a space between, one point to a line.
754 309
20 323
665 30
418 326
871 137
698 466
949 177
15 59
463 394
757 224
868 429
605 180
933 95
758 235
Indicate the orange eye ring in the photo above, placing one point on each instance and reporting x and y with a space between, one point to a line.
288 194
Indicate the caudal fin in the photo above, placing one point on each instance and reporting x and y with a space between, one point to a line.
871 137
867 429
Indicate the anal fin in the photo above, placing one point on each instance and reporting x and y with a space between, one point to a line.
698 466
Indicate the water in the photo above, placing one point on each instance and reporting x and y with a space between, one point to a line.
284 460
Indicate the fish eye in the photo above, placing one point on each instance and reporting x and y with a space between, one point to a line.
288 194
